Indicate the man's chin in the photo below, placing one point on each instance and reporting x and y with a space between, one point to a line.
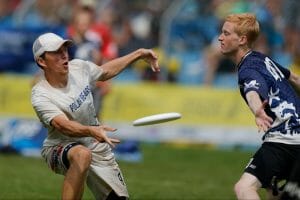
226 53
223 52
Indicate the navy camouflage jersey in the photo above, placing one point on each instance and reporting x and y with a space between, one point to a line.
257 72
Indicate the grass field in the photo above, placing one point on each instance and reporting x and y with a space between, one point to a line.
166 172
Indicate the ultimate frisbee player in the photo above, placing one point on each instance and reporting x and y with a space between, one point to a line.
77 146
266 88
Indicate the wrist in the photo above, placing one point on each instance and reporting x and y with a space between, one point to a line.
89 131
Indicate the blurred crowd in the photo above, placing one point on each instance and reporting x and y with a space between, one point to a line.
183 32
280 28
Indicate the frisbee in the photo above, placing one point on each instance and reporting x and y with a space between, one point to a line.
156 119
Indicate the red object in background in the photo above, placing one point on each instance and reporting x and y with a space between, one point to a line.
108 48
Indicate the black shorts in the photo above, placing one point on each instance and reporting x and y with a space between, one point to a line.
273 160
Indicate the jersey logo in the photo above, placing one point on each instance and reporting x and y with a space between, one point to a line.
80 99
251 84
250 164
273 69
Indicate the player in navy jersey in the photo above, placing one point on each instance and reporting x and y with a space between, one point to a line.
266 88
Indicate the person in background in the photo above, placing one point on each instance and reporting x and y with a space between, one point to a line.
77 145
87 46
265 86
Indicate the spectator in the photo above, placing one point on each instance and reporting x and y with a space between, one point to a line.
87 46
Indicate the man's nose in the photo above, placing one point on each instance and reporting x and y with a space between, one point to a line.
220 38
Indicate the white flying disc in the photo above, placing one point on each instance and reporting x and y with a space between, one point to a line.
155 119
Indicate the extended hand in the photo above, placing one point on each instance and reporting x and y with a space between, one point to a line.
99 133
262 120
150 57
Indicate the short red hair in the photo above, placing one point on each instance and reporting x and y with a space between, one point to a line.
246 24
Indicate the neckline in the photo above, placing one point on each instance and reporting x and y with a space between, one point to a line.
243 58
59 88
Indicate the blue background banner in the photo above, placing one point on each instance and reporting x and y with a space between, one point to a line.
16 47
24 136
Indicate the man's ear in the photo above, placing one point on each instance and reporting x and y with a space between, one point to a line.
41 62
243 40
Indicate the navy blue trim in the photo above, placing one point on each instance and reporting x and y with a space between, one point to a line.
65 154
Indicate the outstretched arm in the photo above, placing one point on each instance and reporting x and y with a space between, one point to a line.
262 120
115 66
75 129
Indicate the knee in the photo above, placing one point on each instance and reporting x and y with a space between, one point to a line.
238 187
81 157
245 191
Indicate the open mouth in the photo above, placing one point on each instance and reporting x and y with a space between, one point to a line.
65 63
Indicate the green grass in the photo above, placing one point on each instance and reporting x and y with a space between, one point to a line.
166 172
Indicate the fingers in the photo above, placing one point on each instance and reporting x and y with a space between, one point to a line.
263 121
264 124
155 67
268 118
103 137
263 128
268 121
112 142
107 128
154 63
260 128
99 133
152 59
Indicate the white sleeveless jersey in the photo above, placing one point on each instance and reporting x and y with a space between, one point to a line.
75 101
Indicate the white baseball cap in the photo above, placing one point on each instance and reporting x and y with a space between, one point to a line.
48 42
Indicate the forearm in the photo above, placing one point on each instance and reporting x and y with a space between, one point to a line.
114 67
75 129
70 128
254 101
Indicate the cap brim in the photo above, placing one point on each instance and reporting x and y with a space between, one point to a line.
55 47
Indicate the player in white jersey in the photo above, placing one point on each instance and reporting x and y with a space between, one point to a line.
77 146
